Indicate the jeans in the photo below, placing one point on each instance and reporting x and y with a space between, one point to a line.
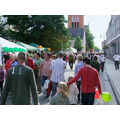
54 88
1 85
38 79
88 98
102 66
116 65
44 78
79 87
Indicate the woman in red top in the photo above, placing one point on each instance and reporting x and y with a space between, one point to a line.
8 63
29 62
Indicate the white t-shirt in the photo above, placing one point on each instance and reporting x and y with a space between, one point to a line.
99 58
58 67
102 58
116 57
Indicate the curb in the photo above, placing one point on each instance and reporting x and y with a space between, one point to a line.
115 91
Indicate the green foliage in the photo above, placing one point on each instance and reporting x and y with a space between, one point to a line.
3 31
66 45
46 30
96 49
89 40
78 44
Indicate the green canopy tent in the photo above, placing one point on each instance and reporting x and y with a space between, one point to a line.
28 47
34 45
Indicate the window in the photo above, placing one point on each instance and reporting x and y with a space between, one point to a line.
77 24
72 18
77 18
72 24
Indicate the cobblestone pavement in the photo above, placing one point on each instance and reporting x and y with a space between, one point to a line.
105 84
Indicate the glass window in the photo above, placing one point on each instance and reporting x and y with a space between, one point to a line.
72 24
77 24
77 18
72 18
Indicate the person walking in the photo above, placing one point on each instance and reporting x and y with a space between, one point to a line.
95 64
71 60
1 77
45 68
78 66
61 98
29 62
9 63
116 60
73 92
89 82
20 82
102 62
57 70
38 61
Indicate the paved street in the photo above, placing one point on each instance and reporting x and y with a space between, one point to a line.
105 83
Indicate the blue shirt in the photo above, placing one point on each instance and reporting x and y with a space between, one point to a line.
78 66
14 64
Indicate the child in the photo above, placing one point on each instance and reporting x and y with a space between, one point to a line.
73 92
61 97
1 77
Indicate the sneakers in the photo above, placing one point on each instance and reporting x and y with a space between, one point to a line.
78 102
39 92
47 96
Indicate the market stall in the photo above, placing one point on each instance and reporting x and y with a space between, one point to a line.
28 47
8 46
71 50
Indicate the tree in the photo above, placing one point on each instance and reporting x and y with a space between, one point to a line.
3 31
78 44
96 49
89 40
66 45
45 30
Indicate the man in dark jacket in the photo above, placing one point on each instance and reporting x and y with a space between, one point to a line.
20 82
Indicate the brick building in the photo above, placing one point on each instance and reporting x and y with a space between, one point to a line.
76 28
112 42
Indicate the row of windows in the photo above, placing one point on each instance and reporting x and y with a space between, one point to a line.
75 18
75 24
114 30
114 49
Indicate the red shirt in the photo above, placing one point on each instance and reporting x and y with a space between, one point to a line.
30 63
7 66
89 79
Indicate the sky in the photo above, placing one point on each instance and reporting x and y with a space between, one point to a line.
98 25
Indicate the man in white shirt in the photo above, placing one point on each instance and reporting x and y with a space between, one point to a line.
102 61
57 68
116 59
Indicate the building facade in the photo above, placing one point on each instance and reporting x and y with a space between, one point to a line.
112 42
76 28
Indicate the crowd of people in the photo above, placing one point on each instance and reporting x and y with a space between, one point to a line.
23 76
